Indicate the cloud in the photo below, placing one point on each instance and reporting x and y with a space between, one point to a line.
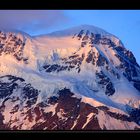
31 21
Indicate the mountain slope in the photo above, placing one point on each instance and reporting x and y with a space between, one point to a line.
78 78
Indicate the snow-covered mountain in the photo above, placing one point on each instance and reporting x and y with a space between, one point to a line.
78 78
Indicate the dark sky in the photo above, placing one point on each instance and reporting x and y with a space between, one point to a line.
125 24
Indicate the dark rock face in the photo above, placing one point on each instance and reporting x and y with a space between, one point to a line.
106 41
131 57
55 67
135 115
86 35
105 83
137 85
109 89
117 116
83 44
91 57
2 125
6 89
80 34
97 38
11 44
120 49
101 60
72 62
30 94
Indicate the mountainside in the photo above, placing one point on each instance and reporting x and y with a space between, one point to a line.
78 78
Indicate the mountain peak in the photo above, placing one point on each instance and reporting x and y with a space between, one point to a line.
82 77
76 29
91 28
